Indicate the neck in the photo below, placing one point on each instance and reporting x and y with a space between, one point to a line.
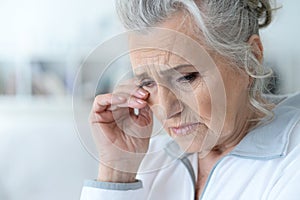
242 126
226 144
210 159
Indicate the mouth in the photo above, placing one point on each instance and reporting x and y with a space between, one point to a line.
184 129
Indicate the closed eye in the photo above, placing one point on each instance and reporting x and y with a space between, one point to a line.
189 78
146 83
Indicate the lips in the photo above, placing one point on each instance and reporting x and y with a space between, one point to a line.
184 129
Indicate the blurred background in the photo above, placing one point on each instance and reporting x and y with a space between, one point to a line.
42 45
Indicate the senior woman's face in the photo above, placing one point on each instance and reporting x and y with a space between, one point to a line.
181 93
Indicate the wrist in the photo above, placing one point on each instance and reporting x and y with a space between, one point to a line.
107 174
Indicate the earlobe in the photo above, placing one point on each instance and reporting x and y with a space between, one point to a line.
256 46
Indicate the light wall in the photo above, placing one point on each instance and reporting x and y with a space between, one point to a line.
282 45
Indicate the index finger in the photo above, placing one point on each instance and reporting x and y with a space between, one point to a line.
102 102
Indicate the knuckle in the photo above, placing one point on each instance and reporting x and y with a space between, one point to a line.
101 97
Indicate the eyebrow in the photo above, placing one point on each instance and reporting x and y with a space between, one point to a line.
167 71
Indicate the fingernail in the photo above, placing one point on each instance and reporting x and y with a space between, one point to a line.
141 92
140 101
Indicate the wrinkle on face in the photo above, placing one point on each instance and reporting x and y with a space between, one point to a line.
171 105
220 93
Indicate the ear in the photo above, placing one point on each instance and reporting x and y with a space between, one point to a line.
256 47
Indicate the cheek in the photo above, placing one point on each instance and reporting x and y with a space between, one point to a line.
205 109
211 105
204 106
236 85
200 102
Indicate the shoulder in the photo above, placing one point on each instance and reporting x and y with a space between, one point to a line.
288 113
287 122
291 100
294 139
275 138
288 183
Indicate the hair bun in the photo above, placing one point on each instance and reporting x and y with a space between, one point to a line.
263 10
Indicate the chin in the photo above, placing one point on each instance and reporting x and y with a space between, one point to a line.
189 144
197 143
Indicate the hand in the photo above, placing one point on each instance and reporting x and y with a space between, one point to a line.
121 136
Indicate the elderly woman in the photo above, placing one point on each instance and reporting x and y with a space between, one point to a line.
234 144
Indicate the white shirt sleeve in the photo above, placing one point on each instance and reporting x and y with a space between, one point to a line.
94 190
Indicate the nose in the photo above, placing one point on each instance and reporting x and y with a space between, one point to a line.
167 102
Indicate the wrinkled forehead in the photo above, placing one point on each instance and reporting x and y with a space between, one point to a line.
167 48
154 41
150 58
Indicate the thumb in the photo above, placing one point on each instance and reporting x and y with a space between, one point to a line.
145 116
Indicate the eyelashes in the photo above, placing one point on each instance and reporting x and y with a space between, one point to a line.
146 83
183 80
189 78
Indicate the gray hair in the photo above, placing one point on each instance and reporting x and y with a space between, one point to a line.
226 26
